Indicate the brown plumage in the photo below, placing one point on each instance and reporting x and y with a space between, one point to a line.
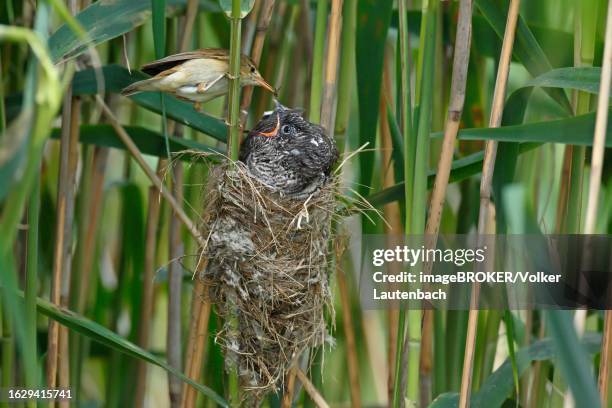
196 76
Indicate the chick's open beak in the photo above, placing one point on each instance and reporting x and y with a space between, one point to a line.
262 82
274 131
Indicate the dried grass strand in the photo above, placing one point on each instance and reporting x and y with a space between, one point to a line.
485 191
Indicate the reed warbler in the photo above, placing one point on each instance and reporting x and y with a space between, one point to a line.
197 76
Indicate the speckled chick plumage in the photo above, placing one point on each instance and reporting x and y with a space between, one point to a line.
288 153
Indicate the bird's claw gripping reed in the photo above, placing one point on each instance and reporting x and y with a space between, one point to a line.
267 232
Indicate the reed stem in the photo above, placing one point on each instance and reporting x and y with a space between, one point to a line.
347 66
57 357
316 84
597 157
585 26
233 118
394 226
31 286
601 124
406 104
349 333
485 215
455 109
401 355
311 390
263 22
328 103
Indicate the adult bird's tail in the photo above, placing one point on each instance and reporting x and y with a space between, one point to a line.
140 86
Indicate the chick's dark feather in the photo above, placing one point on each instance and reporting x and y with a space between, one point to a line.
288 153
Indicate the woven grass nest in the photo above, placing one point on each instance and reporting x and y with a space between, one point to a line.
267 273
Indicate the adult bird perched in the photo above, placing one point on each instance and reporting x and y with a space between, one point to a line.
289 154
196 76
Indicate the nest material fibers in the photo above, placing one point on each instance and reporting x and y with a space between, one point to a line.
267 273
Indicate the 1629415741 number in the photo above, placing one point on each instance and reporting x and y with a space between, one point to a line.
19 394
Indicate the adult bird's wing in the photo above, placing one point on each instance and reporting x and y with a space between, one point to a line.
155 67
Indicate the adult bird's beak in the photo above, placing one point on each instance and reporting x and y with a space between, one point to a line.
274 131
262 82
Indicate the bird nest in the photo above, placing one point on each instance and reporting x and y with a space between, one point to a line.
267 273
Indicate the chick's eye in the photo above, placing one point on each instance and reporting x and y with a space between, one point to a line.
287 129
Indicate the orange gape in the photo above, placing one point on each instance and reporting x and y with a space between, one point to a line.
274 131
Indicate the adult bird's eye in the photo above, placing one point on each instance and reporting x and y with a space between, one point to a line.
287 129
253 69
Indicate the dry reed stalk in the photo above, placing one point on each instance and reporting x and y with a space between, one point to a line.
486 205
64 363
606 357
153 211
328 103
601 124
312 392
198 329
57 358
100 158
73 159
497 112
461 60
455 109
597 158
175 280
53 331
250 26
290 387
263 21
144 327
349 333
190 15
